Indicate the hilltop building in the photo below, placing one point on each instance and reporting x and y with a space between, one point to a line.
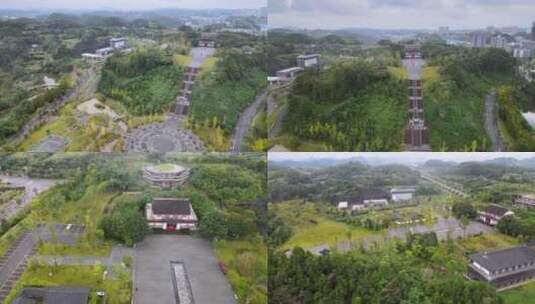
505 268
166 175
171 214
118 43
492 214
207 40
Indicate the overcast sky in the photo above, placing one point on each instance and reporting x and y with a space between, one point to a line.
400 14
402 157
130 4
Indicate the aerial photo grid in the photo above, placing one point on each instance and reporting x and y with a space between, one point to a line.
267 151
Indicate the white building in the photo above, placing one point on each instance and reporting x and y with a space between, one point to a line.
498 42
342 206
402 194
118 43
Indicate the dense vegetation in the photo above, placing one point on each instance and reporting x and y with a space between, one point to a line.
455 99
219 96
22 108
354 105
392 275
146 81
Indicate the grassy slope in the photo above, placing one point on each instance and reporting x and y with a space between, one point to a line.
524 294
118 291
247 269
311 228
456 118
383 105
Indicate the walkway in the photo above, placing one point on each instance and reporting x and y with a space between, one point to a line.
153 280
171 135
491 122
443 184
416 133
33 187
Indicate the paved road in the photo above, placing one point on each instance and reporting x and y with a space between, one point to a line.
414 68
199 55
152 272
244 122
443 228
16 256
443 185
491 122
33 188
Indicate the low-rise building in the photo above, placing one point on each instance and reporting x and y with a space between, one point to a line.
505 268
105 51
492 214
118 43
290 73
166 175
171 214
525 200
308 61
343 206
402 194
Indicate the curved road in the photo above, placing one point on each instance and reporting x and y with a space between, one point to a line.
245 121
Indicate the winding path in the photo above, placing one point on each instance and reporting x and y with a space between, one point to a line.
245 121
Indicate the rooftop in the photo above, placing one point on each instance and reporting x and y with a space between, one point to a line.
166 168
294 69
505 258
403 190
496 210
53 295
171 206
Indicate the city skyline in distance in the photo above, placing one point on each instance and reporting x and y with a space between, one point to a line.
400 14
130 5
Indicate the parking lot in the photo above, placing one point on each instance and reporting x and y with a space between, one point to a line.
154 283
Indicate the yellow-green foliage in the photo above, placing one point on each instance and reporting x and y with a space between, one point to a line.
247 268
137 121
487 242
211 134
399 72
82 249
182 60
118 291
521 136
208 65
99 130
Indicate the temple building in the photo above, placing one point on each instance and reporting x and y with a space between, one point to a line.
171 214
402 194
166 176
492 214
505 268
525 200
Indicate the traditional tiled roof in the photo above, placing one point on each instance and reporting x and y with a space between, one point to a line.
505 258
53 295
171 206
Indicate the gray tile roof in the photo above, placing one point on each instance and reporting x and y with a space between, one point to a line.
505 258
53 295
171 206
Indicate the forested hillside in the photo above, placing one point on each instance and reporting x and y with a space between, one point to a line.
352 106
145 81
220 95
455 97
